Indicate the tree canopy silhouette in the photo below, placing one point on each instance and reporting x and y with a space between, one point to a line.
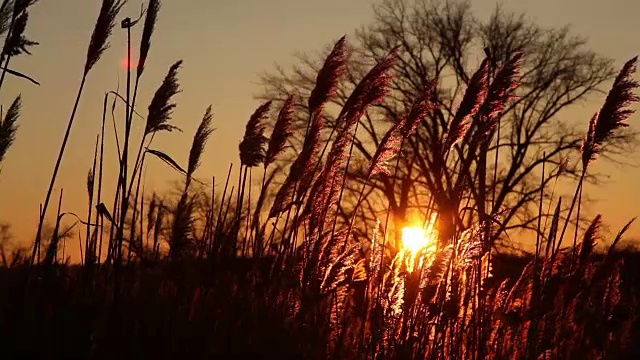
443 41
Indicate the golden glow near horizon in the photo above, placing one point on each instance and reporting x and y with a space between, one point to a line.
419 240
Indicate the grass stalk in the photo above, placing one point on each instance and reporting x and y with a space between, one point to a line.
63 146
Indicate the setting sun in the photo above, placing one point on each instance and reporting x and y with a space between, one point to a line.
414 238
418 241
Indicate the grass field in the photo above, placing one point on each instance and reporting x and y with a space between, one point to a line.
273 269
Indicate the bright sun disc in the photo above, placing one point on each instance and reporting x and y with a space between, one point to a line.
414 239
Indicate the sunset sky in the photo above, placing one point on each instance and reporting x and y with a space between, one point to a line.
225 45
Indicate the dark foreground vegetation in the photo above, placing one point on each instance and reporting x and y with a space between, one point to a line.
282 268
203 311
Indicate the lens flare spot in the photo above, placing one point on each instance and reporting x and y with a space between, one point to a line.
124 63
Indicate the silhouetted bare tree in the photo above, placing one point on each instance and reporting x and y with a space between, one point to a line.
444 41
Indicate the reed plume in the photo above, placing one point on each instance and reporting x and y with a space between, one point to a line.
182 228
159 113
602 125
161 107
13 22
104 26
371 89
252 151
473 98
301 171
199 142
5 16
16 43
329 76
501 91
389 146
8 126
281 131
613 113
97 46
590 239
149 26
22 5
421 106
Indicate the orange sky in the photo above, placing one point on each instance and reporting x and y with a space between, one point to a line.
225 44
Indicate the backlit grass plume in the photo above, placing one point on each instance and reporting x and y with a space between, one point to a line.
161 107
182 226
473 98
147 32
13 23
8 126
252 147
421 106
301 171
17 43
329 76
199 142
613 113
5 16
104 26
389 146
281 131
391 143
590 239
500 94
22 5
371 89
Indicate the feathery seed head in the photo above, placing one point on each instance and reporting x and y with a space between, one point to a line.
199 142
8 126
590 239
613 113
281 131
419 109
389 146
252 151
334 67
473 98
147 32
17 43
5 16
370 90
161 107
20 6
104 26
500 94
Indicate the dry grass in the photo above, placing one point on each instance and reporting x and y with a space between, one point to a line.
208 275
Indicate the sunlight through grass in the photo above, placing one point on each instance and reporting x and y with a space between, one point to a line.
418 239
415 239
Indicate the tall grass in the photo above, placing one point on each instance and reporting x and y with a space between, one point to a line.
97 46
215 273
